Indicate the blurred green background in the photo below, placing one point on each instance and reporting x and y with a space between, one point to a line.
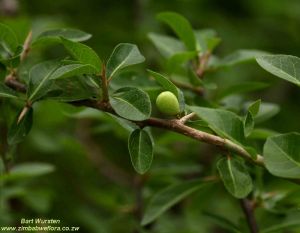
94 185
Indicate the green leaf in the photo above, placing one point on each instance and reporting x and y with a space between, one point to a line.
169 86
223 222
181 27
178 59
266 111
140 147
83 53
254 107
206 39
8 42
238 57
235 177
19 130
166 45
224 123
164 82
166 198
253 110
248 124
284 225
131 103
261 133
7 92
286 67
77 88
53 36
28 170
39 79
282 155
212 43
244 87
72 70
123 55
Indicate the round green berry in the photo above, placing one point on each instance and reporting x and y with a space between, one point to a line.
167 103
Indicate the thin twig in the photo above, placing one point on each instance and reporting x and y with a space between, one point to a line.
203 60
23 113
248 210
26 46
179 127
175 126
11 78
187 117
11 81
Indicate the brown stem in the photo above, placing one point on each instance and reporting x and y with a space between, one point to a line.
11 82
187 117
173 125
248 210
24 112
26 46
225 144
11 79
203 60
179 127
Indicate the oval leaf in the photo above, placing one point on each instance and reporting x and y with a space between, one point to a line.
54 35
27 170
169 86
123 55
181 27
254 107
19 129
238 57
235 177
224 123
223 222
7 92
83 53
283 66
178 59
206 39
241 88
77 88
166 45
282 155
168 197
131 103
248 124
39 79
73 70
8 42
140 147
266 111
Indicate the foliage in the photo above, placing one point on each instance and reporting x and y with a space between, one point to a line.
113 102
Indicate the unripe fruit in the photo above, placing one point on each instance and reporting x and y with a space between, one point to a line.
167 103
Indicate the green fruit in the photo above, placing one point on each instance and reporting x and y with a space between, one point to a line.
167 103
